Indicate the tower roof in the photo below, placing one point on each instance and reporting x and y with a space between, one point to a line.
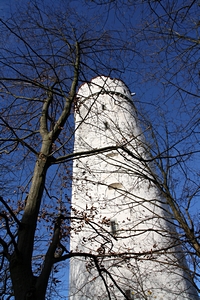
105 85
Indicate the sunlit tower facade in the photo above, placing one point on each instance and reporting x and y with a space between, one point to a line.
119 219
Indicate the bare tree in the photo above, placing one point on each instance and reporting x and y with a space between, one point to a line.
46 52
43 59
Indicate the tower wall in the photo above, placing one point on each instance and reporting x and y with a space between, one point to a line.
118 216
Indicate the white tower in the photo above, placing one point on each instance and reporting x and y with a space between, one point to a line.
119 218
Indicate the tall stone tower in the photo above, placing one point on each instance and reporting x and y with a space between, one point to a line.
121 226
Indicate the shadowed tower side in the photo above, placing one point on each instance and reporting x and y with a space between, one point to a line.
121 226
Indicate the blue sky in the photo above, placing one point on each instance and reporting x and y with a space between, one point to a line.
161 103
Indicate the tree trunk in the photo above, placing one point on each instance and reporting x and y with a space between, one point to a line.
24 283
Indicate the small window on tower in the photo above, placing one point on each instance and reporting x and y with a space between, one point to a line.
112 154
115 186
129 294
114 227
106 125
103 107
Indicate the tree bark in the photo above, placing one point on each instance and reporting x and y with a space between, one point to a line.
20 265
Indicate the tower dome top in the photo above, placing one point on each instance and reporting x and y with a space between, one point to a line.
104 85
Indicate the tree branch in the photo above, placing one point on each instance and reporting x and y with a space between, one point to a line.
10 211
44 116
18 140
68 103
42 281
5 248
8 231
